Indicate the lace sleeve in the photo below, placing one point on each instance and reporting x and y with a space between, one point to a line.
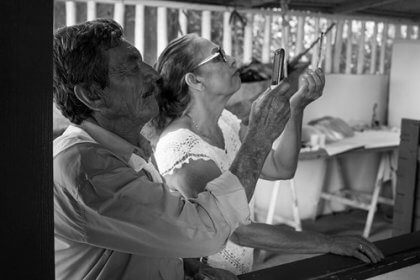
178 148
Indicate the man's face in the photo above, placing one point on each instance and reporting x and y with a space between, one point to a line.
132 89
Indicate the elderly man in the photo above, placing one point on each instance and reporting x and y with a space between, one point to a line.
114 217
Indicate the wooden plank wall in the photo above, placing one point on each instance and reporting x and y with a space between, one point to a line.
345 48
407 201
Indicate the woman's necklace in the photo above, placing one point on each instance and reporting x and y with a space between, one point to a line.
207 138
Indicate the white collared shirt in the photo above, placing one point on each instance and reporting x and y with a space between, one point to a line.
112 222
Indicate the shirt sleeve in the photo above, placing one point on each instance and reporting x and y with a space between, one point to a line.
101 201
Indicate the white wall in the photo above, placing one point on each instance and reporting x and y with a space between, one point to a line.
404 90
350 97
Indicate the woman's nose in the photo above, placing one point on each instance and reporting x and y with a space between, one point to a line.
231 61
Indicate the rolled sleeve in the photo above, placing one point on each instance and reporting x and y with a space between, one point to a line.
231 199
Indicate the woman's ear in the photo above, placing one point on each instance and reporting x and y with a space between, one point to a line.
89 97
193 82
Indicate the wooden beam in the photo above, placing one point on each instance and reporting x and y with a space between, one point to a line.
299 37
183 22
373 50
162 27
358 5
91 10
338 46
265 58
139 28
206 25
227 34
361 50
328 51
248 35
70 13
349 46
383 48
119 11
315 48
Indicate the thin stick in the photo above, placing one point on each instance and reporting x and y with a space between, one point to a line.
321 50
296 58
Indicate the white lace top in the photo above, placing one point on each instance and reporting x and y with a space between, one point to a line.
179 147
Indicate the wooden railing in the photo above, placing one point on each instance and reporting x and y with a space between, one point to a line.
356 45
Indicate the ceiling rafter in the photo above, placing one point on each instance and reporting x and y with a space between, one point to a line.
358 5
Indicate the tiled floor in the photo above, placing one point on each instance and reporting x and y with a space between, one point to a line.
344 223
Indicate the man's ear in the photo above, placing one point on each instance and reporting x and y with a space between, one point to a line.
89 97
193 82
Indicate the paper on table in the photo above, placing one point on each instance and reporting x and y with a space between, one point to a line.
368 139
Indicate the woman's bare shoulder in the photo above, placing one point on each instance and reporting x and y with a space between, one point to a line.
175 125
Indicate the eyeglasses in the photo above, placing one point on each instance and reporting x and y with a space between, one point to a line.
220 52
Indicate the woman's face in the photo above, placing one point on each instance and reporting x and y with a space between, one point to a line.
218 76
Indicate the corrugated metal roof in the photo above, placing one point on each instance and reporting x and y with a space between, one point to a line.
393 9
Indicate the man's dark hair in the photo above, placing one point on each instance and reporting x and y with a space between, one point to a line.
79 58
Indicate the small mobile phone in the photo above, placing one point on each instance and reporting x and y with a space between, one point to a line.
278 67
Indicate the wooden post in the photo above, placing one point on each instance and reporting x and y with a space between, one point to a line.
411 33
361 51
315 48
285 41
300 32
383 47
70 13
349 46
119 11
139 28
265 57
227 34
397 33
248 35
91 10
373 52
328 48
183 22
338 46
206 24
162 29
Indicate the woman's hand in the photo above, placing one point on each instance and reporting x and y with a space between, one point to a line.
311 85
355 246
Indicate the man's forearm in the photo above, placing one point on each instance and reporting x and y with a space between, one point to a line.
248 163
278 238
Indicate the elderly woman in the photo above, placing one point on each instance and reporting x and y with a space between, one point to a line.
198 140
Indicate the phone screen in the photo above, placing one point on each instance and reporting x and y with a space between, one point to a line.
278 67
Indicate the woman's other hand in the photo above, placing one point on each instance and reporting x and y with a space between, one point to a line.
311 86
355 246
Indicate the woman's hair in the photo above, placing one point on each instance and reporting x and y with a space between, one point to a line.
176 60
79 58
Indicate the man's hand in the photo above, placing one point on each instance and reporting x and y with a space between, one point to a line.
311 86
211 273
355 246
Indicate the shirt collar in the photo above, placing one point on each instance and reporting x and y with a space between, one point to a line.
111 141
